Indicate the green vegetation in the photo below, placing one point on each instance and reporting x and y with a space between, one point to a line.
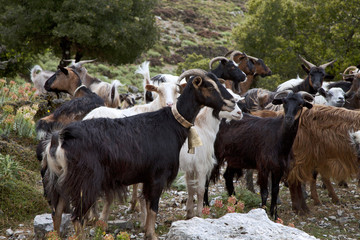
319 31
110 31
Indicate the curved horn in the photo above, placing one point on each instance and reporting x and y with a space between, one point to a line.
254 58
353 68
83 62
216 59
323 66
282 94
229 53
192 72
234 53
307 62
306 96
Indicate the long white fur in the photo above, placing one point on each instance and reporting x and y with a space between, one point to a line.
198 166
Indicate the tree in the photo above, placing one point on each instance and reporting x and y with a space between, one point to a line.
279 30
114 31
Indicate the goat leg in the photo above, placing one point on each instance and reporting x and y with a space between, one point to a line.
60 207
331 190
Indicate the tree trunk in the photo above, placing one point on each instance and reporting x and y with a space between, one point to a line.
65 45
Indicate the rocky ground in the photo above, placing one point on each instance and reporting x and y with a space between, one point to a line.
327 221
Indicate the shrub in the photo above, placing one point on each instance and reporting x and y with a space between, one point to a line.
193 61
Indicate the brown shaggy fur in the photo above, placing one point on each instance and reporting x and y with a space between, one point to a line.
323 144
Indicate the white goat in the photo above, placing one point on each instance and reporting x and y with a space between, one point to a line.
289 84
38 77
167 91
198 166
332 97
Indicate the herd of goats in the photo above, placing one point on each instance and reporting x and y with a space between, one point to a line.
100 142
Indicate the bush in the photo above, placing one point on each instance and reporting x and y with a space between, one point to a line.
193 61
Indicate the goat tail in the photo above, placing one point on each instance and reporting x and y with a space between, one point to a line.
144 70
114 94
33 72
55 156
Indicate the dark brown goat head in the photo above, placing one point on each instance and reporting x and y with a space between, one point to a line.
64 80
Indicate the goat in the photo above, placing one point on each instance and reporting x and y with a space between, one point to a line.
245 144
313 81
322 144
38 77
251 66
67 80
168 93
333 97
198 166
96 156
107 91
128 100
228 70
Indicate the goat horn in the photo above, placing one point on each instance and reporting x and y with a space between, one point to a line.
306 96
228 53
235 53
350 68
282 94
216 59
85 61
323 66
254 58
192 72
307 62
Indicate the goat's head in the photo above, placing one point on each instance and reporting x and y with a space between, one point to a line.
334 96
208 90
293 104
250 65
64 80
235 114
128 100
352 96
168 92
228 70
316 74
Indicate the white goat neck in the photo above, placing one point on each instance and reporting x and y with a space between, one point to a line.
77 89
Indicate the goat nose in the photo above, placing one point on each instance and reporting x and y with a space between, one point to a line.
169 104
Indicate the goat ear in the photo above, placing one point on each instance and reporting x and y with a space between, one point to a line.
277 101
305 68
181 87
64 70
224 61
308 105
322 92
197 81
151 88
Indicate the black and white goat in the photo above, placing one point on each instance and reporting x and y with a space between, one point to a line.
92 157
311 83
245 144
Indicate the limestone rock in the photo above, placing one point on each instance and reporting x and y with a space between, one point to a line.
43 224
254 225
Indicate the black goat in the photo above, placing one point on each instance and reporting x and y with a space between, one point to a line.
96 156
313 81
261 143
228 70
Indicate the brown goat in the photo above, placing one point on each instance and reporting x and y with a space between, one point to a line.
323 144
251 66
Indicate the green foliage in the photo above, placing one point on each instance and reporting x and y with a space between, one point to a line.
9 170
111 31
193 61
283 29
250 199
